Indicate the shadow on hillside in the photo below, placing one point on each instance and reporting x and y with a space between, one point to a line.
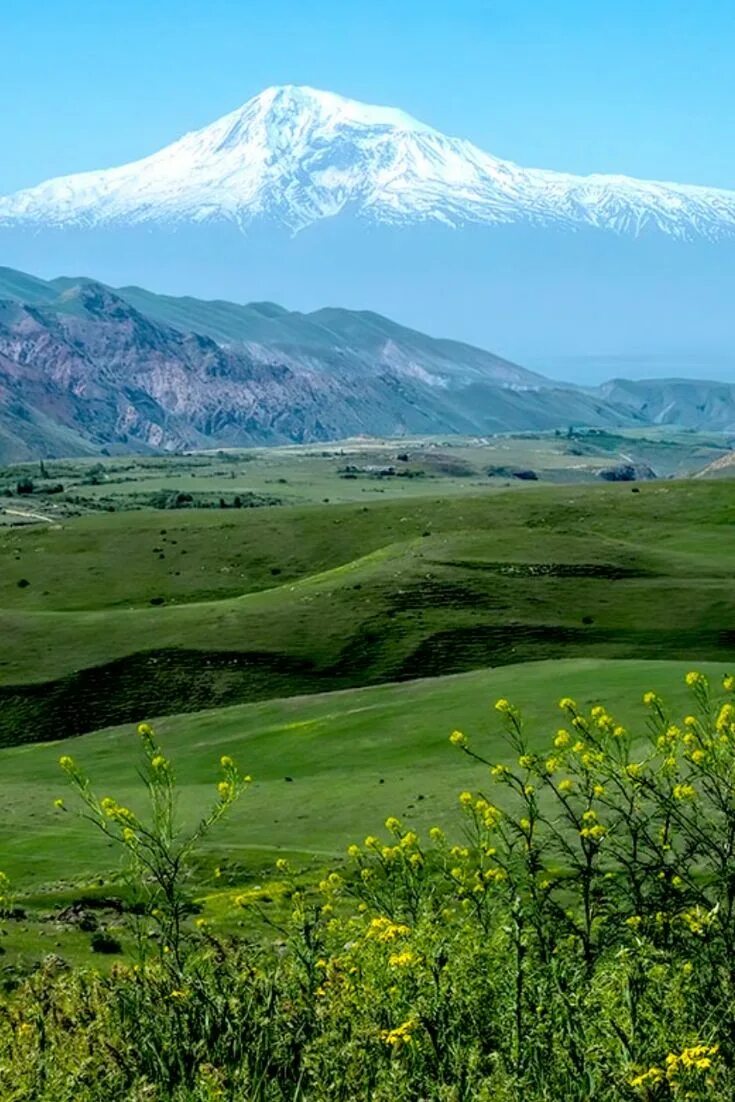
163 682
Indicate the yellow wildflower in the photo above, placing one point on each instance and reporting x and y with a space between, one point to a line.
404 959
384 929
651 1077
458 739
725 718
401 1035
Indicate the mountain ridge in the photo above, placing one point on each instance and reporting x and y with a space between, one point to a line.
83 368
86 368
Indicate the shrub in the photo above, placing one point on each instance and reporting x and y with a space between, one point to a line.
576 942
104 942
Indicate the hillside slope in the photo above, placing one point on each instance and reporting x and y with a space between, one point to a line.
686 403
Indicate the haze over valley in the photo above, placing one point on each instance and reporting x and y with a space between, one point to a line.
308 198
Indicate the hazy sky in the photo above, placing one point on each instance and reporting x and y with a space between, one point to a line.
644 87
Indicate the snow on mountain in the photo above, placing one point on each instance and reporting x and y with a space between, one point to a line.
295 155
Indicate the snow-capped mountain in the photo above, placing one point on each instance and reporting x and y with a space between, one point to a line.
295 155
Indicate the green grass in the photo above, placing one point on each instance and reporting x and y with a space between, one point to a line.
354 758
364 594
300 474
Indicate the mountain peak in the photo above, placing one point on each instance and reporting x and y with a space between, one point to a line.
294 155
329 107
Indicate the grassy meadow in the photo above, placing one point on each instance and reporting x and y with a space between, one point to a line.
327 636
111 617
353 759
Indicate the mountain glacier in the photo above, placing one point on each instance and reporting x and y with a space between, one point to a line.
296 156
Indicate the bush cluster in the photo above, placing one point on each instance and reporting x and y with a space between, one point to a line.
575 942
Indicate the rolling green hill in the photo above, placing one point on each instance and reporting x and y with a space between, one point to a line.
218 608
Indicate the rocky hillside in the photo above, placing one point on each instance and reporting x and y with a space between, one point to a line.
84 368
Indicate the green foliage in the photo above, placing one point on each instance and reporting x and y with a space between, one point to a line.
575 943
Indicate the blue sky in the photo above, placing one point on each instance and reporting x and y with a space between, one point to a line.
645 87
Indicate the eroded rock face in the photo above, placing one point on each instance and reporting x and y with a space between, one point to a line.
87 369
109 375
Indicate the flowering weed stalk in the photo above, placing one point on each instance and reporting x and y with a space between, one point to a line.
156 847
